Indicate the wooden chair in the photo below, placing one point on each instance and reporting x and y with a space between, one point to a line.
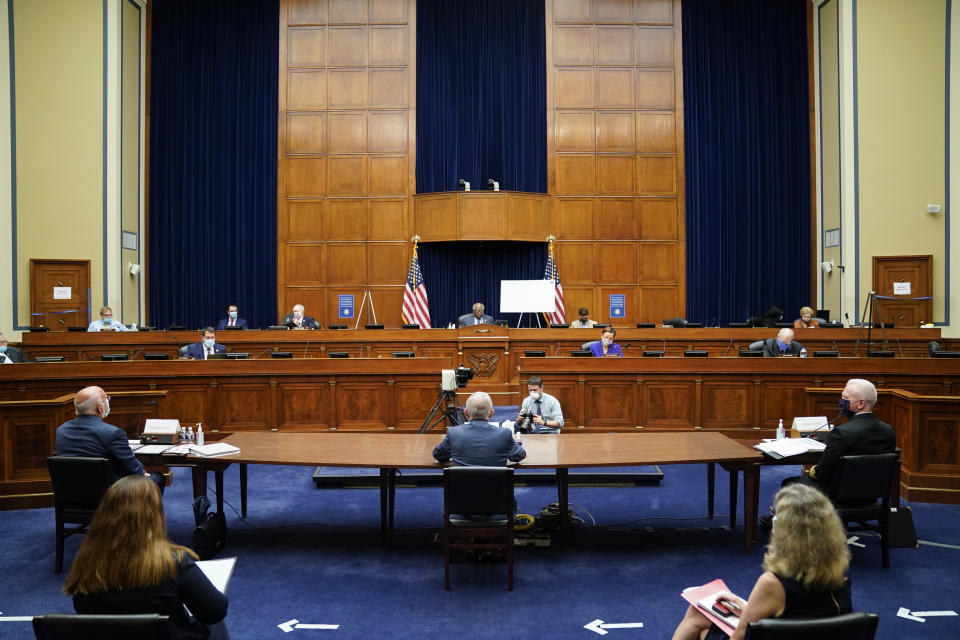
861 491
849 626
78 485
478 510
142 626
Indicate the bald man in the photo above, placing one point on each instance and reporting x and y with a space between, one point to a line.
782 345
89 436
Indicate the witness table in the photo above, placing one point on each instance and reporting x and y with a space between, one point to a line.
392 451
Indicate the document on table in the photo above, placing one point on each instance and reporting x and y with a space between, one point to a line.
215 449
153 448
218 571
785 447
134 444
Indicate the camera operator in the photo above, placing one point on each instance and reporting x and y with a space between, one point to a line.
542 409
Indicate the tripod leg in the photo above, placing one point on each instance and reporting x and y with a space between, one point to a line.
426 426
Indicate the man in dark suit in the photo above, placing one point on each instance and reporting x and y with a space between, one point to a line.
782 345
232 319
863 434
296 319
9 355
88 435
208 347
478 317
479 443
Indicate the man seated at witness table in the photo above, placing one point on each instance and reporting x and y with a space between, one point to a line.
862 434
479 442
106 322
543 409
297 320
606 346
479 317
8 354
584 321
232 319
208 347
89 436
806 320
782 345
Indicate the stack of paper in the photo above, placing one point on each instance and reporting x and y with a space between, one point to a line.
214 449
786 447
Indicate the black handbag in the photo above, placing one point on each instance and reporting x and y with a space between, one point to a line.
210 534
903 535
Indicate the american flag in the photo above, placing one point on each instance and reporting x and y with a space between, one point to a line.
550 273
416 309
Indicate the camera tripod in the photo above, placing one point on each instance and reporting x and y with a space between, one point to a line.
448 409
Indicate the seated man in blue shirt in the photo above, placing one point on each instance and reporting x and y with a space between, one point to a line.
106 322
479 443
544 409
89 436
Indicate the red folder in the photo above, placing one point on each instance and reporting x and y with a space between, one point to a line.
694 595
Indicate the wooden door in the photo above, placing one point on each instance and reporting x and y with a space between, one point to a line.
59 292
904 286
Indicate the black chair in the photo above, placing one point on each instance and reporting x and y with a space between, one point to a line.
586 346
676 323
78 485
61 626
182 351
849 626
858 484
756 345
478 513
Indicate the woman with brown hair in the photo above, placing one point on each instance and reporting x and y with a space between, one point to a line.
127 564
804 569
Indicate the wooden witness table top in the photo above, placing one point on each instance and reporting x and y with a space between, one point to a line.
388 451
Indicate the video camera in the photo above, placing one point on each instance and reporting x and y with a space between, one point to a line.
453 379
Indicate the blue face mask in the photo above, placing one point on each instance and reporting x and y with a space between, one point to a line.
107 320
783 347
3 348
845 409
233 314
208 344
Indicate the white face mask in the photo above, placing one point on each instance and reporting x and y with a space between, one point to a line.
106 411
535 395
298 314
606 341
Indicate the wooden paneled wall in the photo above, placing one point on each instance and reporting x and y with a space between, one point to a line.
345 158
615 154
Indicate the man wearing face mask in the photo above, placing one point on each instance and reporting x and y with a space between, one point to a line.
545 409
106 322
89 436
297 320
9 355
863 434
232 319
782 345
208 347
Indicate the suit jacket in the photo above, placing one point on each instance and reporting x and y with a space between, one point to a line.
91 437
195 350
306 323
14 354
223 323
772 350
479 444
863 434
613 350
468 320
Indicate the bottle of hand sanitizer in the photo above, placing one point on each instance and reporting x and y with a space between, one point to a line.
780 433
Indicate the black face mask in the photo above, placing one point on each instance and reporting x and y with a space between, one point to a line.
845 409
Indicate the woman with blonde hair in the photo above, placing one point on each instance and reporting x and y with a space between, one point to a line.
806 320
127 564
804 569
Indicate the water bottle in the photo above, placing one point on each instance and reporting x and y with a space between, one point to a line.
803 352
183 433
780 433
191 437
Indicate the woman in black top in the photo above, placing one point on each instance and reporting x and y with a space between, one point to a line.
804 569
127 564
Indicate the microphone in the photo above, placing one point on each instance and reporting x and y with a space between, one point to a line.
729 344
626 346
713 323
305 349
899 346
143 405
664 347
826 424
847 316
835 347
261 353
137 352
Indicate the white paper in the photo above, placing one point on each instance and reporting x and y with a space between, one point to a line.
786 447
527 296
153 448
62 293
901 288
218 571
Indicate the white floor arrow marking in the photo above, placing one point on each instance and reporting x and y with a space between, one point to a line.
921 616
600 627
16 619
290 625
852 540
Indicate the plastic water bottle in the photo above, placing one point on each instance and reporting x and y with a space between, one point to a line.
803 352
183 433
780 433
191 437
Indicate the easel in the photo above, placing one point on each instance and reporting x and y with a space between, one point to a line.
869 309
366 296
536 315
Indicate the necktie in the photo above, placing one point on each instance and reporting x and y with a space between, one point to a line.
231 322
208 352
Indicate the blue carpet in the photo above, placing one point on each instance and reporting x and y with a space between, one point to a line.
316 556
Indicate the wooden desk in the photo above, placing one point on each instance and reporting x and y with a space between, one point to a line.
389 452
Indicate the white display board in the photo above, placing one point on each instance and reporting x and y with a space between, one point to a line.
526 296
